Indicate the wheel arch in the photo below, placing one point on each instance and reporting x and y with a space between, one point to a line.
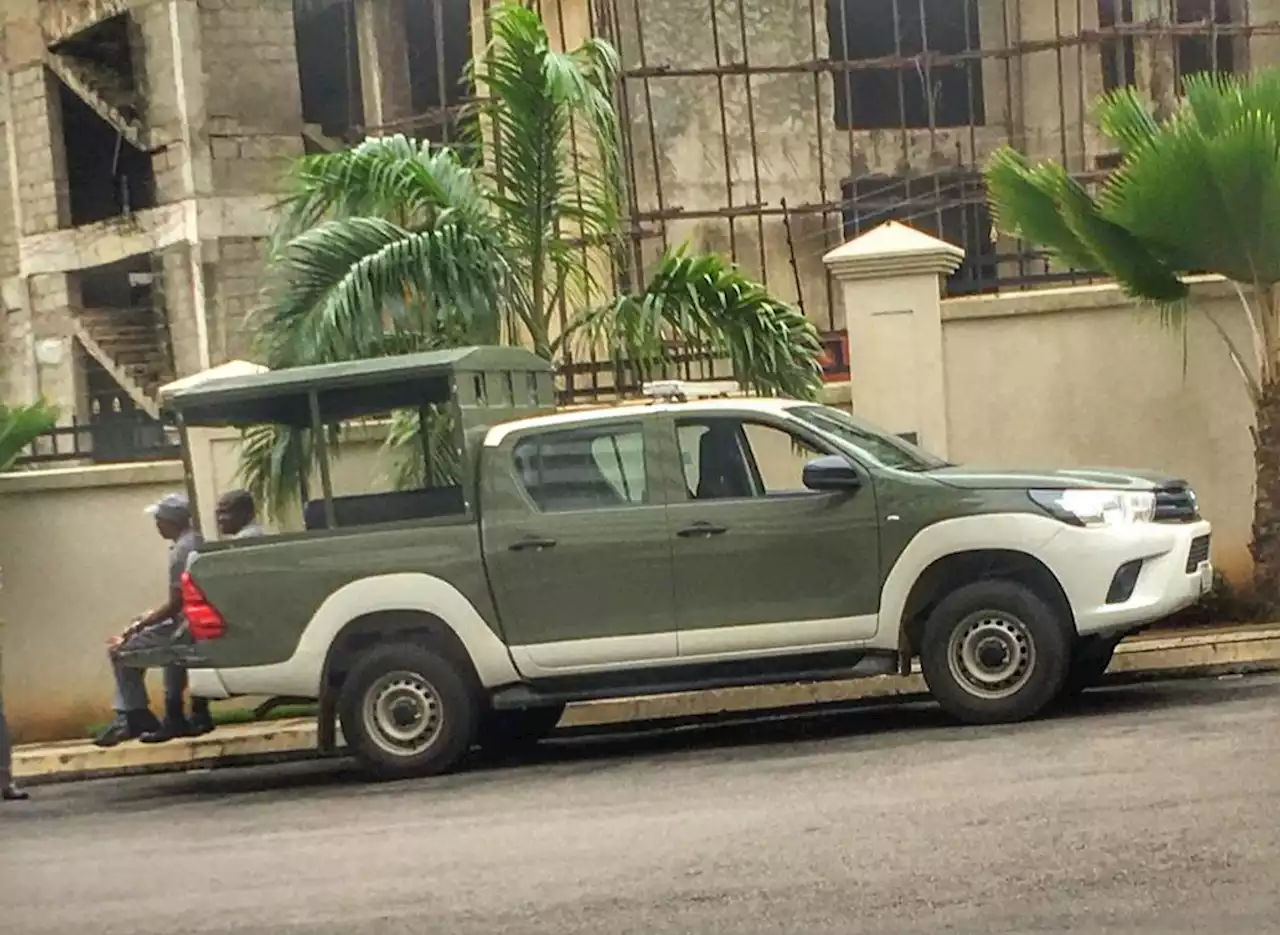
955 569
381 627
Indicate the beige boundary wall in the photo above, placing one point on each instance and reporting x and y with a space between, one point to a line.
80 558
1069 377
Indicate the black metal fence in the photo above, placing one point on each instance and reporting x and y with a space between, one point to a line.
591 381
121 439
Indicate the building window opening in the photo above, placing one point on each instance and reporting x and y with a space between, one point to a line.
906 94
108 172
329 67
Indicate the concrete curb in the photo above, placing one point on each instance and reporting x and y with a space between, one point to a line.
1189 655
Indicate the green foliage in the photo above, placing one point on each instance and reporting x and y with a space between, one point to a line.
396 246
21 425
1197 192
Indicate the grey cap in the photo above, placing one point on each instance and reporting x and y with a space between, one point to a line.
174 507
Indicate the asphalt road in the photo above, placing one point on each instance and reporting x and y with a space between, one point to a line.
1148 809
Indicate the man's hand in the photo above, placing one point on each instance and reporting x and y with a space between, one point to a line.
115 642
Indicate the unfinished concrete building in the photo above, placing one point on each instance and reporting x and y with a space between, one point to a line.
144 143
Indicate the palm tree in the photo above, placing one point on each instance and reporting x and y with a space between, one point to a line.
395 246
19 427
1197 191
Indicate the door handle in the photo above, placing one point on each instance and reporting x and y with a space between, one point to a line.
705 530
536 543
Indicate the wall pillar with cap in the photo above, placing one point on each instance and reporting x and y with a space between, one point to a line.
890 278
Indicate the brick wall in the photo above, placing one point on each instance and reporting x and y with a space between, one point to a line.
42 170
235 285
53 295
252 97
8 235
178 299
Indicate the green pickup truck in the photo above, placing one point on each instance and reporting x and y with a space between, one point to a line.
697 538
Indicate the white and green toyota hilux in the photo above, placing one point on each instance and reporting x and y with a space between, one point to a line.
681 543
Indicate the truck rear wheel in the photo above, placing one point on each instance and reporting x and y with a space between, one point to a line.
407 711
994 652
517 730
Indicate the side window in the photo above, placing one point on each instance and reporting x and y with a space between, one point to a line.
594 468
779 456
726 459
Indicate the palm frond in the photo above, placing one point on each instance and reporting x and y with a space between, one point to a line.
1139 271
273 461
346 282
423 451
1025 204
1126 117
1206 201
405 181
703 302
555 156
20 426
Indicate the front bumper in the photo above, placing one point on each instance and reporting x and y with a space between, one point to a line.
1172 576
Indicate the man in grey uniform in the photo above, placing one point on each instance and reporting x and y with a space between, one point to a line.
155 630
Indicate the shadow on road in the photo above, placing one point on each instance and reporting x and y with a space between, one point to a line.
767 734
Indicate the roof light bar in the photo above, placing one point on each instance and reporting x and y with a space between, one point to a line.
681 390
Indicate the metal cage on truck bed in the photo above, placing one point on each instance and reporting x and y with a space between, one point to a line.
477 386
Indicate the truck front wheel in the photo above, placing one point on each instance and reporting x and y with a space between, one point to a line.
407 711
994 652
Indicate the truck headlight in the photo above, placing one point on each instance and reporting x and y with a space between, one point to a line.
1097 507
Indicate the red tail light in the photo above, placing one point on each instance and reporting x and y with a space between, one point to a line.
203 619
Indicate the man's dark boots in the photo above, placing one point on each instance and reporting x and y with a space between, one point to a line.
201 721
173 726
127 726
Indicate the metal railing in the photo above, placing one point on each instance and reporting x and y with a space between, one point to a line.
121 439
592 381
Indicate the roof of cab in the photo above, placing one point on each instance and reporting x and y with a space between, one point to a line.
280 395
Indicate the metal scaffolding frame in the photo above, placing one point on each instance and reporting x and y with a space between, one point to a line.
945 188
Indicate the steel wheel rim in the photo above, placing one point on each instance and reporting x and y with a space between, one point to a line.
991 655
403 714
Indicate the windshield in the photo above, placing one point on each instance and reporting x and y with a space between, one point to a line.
881 447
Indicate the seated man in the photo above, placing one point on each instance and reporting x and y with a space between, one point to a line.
236 515
153 630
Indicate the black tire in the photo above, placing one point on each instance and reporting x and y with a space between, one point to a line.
1009 618
1090 657
518 730
414 683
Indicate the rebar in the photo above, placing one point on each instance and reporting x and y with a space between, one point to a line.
936 182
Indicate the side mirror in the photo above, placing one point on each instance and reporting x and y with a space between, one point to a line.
831 472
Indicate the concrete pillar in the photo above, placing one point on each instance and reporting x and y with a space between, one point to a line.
173 74
17 349
1058 86
59 378
890 280
1153 59
40 156
1263 51
384 61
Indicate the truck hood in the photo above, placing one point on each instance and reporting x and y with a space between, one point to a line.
976 478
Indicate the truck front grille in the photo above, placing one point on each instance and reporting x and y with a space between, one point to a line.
1176 504
1199 553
